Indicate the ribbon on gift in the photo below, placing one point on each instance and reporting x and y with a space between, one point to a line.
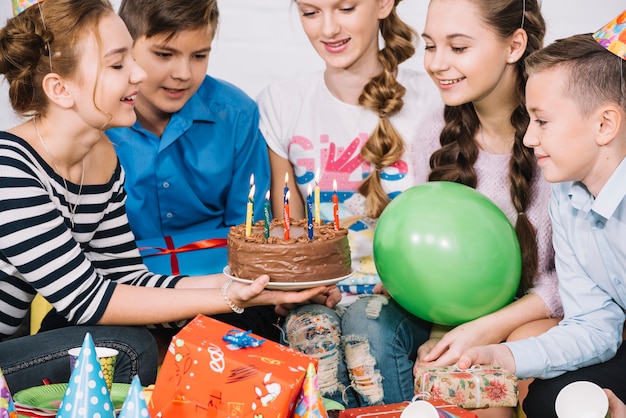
242 339
172 251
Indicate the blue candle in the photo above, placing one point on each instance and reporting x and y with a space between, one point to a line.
286 189
309 213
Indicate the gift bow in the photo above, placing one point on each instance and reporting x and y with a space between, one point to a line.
172 251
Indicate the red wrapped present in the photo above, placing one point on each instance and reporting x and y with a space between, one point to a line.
477 387
204 375
192 254
395 410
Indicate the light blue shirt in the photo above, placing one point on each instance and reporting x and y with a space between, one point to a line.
589 238
197 175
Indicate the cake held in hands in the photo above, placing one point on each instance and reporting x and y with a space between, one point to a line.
297 259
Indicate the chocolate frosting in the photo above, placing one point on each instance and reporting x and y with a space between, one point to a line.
297 259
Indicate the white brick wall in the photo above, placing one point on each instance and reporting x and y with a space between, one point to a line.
260 41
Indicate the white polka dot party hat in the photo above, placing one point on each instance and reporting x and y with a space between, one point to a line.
135 404
87 394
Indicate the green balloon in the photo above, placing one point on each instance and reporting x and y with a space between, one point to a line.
446 253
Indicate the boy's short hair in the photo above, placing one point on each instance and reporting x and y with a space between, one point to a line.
594 74
167 17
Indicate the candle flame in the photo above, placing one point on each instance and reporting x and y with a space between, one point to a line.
267 195
251 179
309 190
286 179
251 194
334 185
317 176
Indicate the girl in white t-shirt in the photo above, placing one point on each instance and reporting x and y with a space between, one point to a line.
355 124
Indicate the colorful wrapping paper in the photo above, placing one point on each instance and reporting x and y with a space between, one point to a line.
205 376
444 409
478 387
192 254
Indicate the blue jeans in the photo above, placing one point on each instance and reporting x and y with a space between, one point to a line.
365 354
26 361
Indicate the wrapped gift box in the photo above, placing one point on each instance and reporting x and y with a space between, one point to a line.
444 409
205 376
191 254
478 387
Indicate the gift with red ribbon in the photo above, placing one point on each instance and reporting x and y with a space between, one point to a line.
191 254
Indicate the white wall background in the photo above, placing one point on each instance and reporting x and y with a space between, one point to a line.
260 41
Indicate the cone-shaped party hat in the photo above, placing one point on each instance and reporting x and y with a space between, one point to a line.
135 404
7 407
612 36
310 403
87 394
20 5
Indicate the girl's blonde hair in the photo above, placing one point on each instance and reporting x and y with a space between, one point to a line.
384 95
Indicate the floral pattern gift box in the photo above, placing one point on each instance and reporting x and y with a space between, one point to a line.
477 387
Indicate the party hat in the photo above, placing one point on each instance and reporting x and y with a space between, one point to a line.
7 407
135 404
87 394
612 36
20 5
310 403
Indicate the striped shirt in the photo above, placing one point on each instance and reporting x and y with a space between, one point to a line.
74 268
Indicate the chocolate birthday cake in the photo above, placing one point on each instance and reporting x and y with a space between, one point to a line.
298 259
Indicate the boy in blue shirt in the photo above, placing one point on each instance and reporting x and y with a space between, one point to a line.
191 153
576 98
190 156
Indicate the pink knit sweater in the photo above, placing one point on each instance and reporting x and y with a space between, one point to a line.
493 181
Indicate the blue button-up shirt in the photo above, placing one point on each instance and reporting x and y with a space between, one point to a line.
197 175
589 237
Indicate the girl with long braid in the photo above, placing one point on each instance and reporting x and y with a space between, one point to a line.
474 54
354 124
480 73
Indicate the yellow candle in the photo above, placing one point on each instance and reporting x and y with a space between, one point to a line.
249 211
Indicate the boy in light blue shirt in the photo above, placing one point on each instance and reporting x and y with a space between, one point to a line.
190 156
576 97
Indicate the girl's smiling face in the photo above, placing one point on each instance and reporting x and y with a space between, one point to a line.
344 32
107 70
465 58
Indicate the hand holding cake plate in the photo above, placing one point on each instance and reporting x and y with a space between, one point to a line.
288 285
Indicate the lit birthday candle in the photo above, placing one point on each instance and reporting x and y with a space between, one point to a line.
266 213
286 189
335 205
318 218
286 216
249 211
309 213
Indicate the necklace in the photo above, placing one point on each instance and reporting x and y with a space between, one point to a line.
486 147
66 191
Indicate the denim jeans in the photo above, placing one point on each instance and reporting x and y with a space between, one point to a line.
26 361
365 354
